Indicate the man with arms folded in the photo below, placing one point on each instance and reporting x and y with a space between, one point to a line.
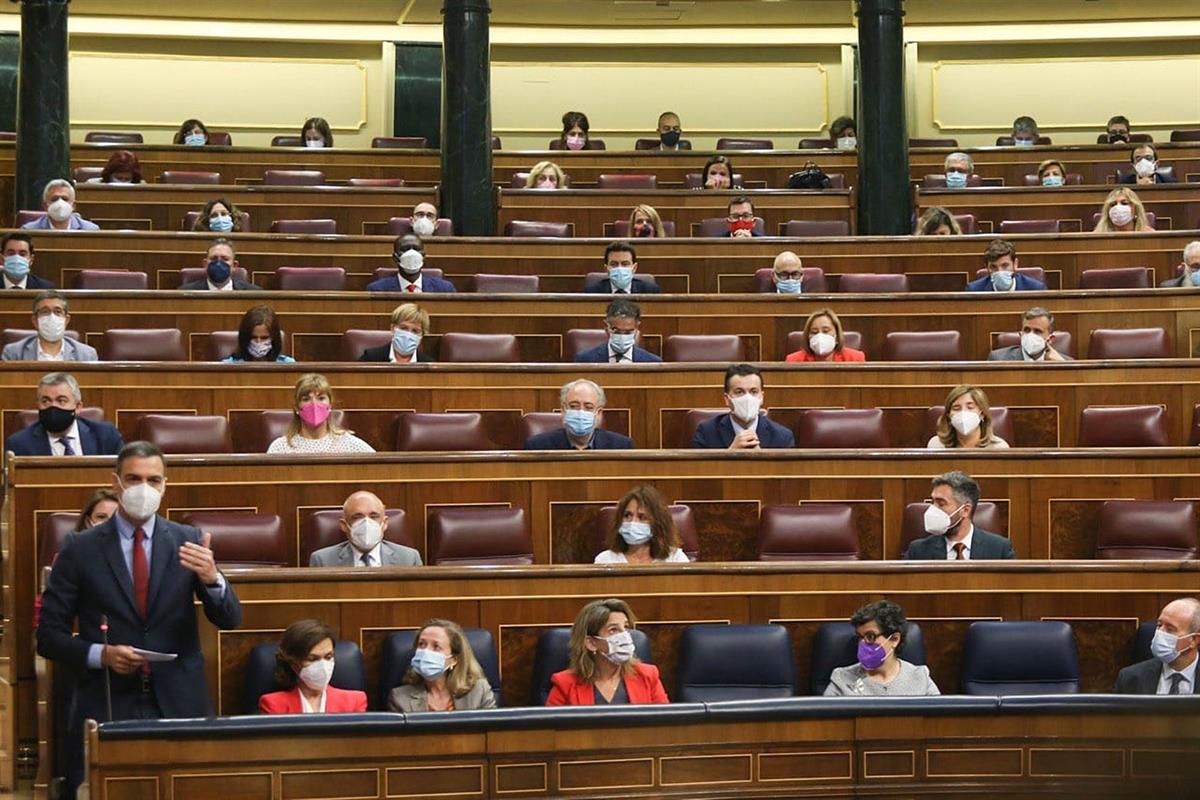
364 521
744 427
583 403
951 527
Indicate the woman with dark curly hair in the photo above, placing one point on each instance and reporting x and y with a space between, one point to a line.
880 671
303 669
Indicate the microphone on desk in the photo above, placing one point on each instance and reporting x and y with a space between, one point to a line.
107 679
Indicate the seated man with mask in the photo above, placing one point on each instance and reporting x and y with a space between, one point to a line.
620 259
364 521
1172 670
952 532
1145 167
1000 258
1189 269
583 404
58 431
424 219
1037 340
58 199
410 323
408 253
220 262
51 316
743 428
958 167
17 249
669 131
622 319
788 273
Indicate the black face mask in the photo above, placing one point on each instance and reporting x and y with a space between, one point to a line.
670 138
1118 137
55 419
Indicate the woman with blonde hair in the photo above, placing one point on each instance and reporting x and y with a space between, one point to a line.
603 669
546 175
1122 212
966 421
937 221
312 430
643 531
824 340
443 674
644 222
1051 172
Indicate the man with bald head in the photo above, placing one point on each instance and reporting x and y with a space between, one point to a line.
364 522
1172 670
787 273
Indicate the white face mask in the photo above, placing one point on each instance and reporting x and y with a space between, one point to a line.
1120 215
937 521
60 210
620 647
52 327
314 143
1144 167
259 349
140 502
746 406
965 422
316 676
423 226
847 142
822 343
1033 344
411 261
365 534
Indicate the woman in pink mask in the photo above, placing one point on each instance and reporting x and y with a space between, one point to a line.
312 429
546 175
574 134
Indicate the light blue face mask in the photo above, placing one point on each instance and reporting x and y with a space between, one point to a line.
1193 276
789 285
621 342
16 267
405 342
621 277
635 532
1052 180
579 423
220 224
1002 280
429 664
1025 142
195 139
956 180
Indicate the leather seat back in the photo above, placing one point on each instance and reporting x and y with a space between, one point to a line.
763 668
1007 658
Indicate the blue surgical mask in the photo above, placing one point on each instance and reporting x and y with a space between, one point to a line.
635 532
621 342
956 180
429 664
220 224
1193 276
1002 280
16 267
1052 180
195 139
789 285
218 271
1163 645
621 277
405 342
579 423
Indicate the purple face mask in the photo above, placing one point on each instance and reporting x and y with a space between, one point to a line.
871 656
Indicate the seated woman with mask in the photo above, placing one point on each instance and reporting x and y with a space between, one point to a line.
546 175
443 674
937 221
1052 173
303 667
645 223
311 430
259 339
603 669
880 671
1122 212
824 340
219 216
643 531
966 421
410 324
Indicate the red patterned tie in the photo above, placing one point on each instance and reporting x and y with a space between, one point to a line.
141 572
412 287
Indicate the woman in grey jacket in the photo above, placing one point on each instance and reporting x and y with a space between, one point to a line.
443 675
880 671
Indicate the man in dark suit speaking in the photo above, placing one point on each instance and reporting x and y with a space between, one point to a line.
743 428
60 431
583 404
140 571
1176 641
952 532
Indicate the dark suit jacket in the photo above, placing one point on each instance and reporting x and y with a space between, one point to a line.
1024 284
1142 678
382 353
90 579
34 282
984 545
1013 353
96 439
729 234
428 284
639 286
599 355
1158 178
557 440
202 286
717 433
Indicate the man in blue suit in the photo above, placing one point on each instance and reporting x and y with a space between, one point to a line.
622 319
408 253
141 573
744 427
1001 261
582 404
949 521
59 431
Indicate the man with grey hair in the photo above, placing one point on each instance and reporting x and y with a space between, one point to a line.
58 199
49 342
582 404
364 522
958 168
1174 650
1037 340
60 431
1025 132
1189 269
949 521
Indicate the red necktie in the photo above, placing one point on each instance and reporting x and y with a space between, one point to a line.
141 572
412 287
958 551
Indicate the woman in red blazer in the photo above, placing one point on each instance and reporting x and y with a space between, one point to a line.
824 340
303 666
603 669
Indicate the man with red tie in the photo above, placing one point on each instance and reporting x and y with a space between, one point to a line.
408 256
138 572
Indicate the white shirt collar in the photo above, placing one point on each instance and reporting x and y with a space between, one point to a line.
56 446
306 707
627 356
739 427
409 359
405 282
376 554
1026 357
10 285
42 355
966 541
212 287
1188 672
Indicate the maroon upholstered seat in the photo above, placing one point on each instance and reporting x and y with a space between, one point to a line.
327 279
538 422
1028 226
937 180
356 340
1186 135
376 182
24 217
496 144
143 344
730 143
1063 342
53 532
815 227
324 227
623 181
10 335
398 226
815 144
577 340
1147 529
694 418
287 141
1070 179
28 416
113 137
481 348
967 224
873 283
685 524
1123 426
1002 424
401 142
812 283
85 174
442 432
189 220
712 227
927 142
243 539
714 347
922 346
293 177
189 177
464 536
320 529
110 279
842 428
619 229
220 139
1129 343
796 339
1117 278
809 532
274 423
1036 273
179 433
190 274
694 180
484 282
986 517
534 228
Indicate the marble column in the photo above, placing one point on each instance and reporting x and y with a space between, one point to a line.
884 201
43 117
466 190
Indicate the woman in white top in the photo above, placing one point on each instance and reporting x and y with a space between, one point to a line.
643 531
312 431
966 421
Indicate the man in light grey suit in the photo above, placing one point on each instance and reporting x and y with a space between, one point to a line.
1037 340
50 342
364 522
